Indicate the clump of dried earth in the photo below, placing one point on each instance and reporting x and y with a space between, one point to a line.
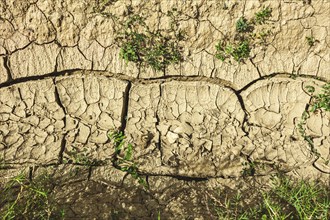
196 127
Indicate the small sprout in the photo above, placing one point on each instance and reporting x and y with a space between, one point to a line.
307 2
220 55
242 25
310 89
263 34
238 52
24 198
125 163
101 6
263 15
82 158
249 168
284 199
310 41
322 100
241 51
318 102
240 46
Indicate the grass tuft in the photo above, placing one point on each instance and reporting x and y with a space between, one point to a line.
262 16
286 199
239 51
22 198
242 25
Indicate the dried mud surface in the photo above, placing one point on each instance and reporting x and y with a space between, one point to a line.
195 127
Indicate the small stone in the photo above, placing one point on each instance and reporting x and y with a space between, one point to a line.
184 128
322 165
172 137
208 145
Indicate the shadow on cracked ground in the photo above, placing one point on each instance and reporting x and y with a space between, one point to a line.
69 192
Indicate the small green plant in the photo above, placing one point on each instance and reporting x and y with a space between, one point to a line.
272 209
307 1
22 198
310 41
306 200
242 25
262 16
230 208
318 102
239 52
157 49
302 130
239 47
123 157
262 35
286 199
82 158
102 4
249 168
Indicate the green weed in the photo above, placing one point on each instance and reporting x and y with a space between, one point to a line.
22 198
285 200
249 169
140 45
242 25
101 5
230 208
310 41
262 35
318 102
306 200
240 47
124 155
307 2
261 16
302 130
272 209
82 158
239 52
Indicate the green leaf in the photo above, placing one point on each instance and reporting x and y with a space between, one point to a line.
128 154
310 89
242 25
